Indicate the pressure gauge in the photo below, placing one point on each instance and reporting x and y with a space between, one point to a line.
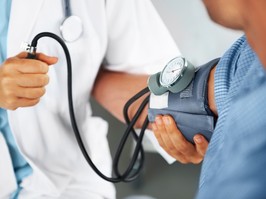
172 71
175 77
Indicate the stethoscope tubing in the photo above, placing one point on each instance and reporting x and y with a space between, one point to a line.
130 173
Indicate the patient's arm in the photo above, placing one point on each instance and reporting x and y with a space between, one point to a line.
172 140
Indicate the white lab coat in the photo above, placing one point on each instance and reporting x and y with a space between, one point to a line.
129 36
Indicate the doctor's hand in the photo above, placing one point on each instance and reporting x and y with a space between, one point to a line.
23 81
175 144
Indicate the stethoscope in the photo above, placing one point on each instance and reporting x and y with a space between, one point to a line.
71 28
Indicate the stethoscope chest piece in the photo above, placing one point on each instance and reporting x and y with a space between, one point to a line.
71 28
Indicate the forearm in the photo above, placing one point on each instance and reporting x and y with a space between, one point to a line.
113 89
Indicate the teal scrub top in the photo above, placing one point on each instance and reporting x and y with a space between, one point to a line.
21 167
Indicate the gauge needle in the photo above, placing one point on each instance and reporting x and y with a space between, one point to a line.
174 70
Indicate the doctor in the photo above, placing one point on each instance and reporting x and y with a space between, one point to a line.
116 36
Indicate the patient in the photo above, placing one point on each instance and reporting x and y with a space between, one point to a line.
234 164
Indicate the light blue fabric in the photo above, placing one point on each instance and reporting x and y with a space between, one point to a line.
234 166
21 168
4 16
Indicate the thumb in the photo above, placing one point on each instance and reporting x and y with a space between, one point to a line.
47 59
201 144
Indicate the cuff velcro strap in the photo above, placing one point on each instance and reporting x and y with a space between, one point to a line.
189 108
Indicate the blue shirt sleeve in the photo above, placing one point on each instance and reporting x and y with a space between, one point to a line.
240 155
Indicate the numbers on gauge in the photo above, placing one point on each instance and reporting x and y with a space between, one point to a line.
172 71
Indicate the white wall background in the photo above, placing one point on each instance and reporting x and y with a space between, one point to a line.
198 38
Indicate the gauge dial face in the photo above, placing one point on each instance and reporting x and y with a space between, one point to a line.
172 71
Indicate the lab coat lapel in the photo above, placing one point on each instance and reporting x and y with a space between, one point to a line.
23 16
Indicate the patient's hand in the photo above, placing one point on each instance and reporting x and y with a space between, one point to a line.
174 143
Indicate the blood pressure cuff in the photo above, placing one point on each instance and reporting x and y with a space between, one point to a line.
189 108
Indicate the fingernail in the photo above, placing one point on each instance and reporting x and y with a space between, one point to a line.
198 139
158 121
166 120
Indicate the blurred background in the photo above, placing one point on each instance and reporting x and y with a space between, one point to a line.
199 40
